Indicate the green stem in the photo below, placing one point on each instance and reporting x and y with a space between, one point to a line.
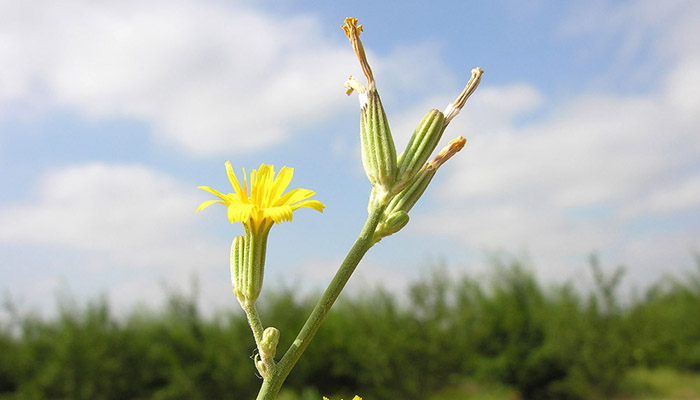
266 363
254 321
271 386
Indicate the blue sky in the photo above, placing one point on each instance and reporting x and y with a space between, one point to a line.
583 137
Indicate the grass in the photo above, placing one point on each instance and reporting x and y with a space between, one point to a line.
639 384
470 390
660 384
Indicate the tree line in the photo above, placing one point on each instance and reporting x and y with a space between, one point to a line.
551 342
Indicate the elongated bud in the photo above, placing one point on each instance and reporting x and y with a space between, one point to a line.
408 197
248 265
378 149
421 146
237 252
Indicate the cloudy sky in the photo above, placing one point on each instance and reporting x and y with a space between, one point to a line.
583 137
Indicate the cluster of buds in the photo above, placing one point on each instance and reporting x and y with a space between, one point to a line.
398 182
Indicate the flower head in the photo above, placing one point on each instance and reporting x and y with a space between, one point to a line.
264 203
258 207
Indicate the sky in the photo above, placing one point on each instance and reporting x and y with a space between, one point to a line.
583 138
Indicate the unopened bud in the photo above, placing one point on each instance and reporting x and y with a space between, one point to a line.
237 252
268 345
248 265
377 143
392 223
421 146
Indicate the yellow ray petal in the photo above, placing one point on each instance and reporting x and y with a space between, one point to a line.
284 177
234 181
254 187
313 204
207 204
214 192
263 183
245 194
295 196
239 212
279 214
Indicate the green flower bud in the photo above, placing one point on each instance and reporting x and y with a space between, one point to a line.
268 345
421 146
248 265
392 223
409 196
237 252
265 360
378 150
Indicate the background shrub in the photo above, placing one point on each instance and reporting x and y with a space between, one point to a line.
554 343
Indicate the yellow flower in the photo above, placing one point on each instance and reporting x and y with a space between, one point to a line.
258 207
264 204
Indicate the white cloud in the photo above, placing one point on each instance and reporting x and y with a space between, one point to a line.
657 254
316 274
642 38
210 77
125 231
411 71
495 107
122 214
586 176
668 198
681 87
576 182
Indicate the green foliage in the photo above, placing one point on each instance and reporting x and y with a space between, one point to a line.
664 326
553 343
